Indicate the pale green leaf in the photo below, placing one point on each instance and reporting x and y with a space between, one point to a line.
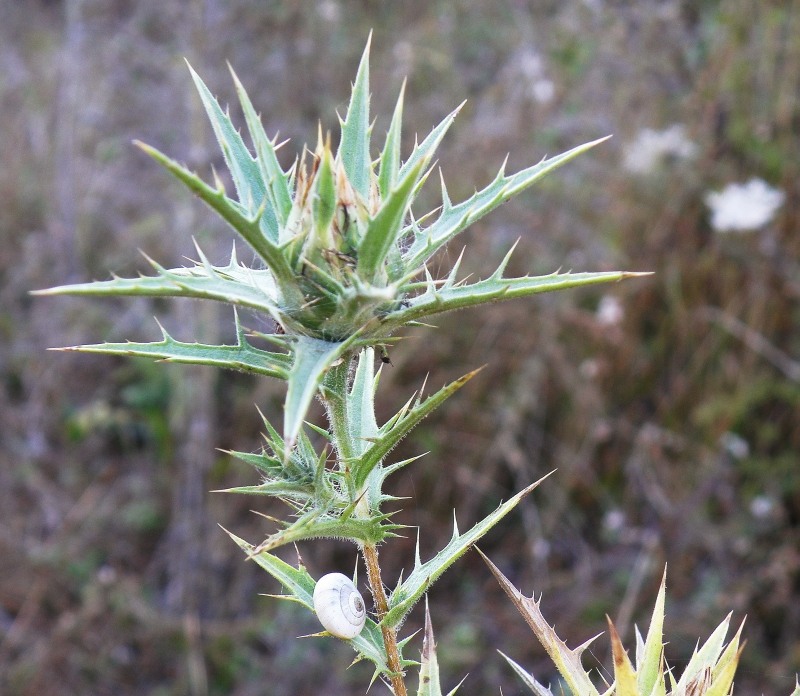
650 661
354 145
449 298
454 219
252 289
528 679
247 179
246 224
314 525
426 150
239 357
312 359
323 201
399 426
361 404
706 657
385 228
409 591
724 671
390 157
276 180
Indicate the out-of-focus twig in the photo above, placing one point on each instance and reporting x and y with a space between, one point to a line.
754 340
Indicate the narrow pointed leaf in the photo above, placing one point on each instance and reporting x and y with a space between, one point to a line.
276 180
354 145
323 204
427 148
296 581
244 170
385 228
312 359
184 282
706 656
446 299
528 679
725 669
429 680
247 226
649 664
361 404
312 526
624 674
239 357
389 437
567 661
457 218
423 576
390 157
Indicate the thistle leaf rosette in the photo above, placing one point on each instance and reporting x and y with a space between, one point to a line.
343 257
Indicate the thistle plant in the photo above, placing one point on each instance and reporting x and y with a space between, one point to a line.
709 672
342 269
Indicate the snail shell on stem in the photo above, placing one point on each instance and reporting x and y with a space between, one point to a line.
339 605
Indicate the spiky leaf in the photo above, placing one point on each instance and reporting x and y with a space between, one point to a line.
399 426
384 230
650 660
243 356
409 591
455 219
354 145
529 680
624 674
244 170
312 359
429 680
566 660
276 180
390 157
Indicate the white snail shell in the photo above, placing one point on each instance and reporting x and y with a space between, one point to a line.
339 605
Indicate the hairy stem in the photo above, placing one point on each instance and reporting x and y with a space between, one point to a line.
335 399
370 552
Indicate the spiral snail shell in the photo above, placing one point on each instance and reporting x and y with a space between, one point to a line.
339 605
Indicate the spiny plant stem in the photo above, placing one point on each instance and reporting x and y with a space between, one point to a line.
370 552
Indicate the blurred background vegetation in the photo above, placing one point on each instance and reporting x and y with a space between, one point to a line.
670 406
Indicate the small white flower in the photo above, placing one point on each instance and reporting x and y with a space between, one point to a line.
652 147
743 207
761 506
609 311
543 91
734 444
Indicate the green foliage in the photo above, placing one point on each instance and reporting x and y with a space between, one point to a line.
346 269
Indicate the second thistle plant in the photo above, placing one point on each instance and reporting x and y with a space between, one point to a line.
343 268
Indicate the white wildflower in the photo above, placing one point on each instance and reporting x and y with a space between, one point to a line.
609 311
743 207
652 147
543 91
762 507
734 444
